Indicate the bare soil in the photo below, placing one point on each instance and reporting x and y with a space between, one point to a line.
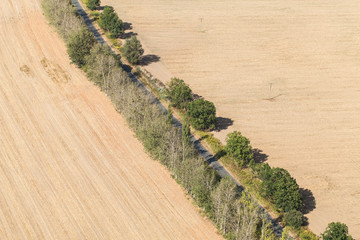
287 74
70 168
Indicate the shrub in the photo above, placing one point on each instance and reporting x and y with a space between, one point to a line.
201 114
179 93
285 235
307 235
238 147
294 218
109 20
79 45
136 71
132 50
95 14
336 231
92 4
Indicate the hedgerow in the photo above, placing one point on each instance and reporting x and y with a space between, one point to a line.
236 214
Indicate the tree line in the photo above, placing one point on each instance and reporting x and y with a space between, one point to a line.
235 213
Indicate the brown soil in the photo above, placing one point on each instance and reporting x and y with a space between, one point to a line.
287 74
69 166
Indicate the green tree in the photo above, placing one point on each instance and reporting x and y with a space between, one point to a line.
336 231
92 4
263 171
283 189
202 114
109 20
132 50
238 147
79 45
179 93
293 218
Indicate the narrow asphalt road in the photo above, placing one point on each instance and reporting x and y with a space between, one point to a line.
197 144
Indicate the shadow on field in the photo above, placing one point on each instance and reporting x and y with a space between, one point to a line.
309 203
128 35
259 155
150 58
223 123
196 96
127 26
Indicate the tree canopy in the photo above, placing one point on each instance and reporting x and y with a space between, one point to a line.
179 93
202 114
238 147
79 45
282 188
293 218
92 4
110 21
132 50
336 231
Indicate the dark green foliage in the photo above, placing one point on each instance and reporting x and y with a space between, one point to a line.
238 147
132 50
282 188
179 93
79 45
336 231
294 218
93 4
110 21
265 171
202 114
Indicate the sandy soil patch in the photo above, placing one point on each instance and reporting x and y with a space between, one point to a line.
69 166
287 74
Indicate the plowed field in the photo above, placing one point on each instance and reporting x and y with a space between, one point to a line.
69 166
286 72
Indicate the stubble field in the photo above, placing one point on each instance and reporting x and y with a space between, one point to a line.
69 166
287 74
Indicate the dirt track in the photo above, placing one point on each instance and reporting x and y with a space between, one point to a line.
308 53
69 166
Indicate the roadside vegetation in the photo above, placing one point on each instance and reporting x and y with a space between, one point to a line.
132 50
235 213
110 21
93 4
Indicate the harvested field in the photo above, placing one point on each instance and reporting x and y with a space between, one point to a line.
287 74
69 166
